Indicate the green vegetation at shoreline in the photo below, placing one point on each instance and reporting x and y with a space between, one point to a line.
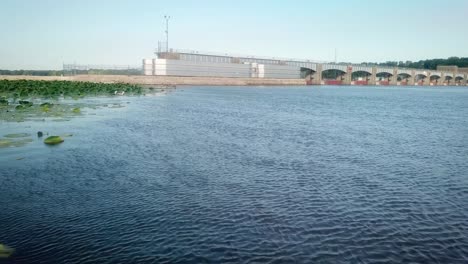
23 100
23 89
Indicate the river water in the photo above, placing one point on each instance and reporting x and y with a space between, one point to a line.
246 175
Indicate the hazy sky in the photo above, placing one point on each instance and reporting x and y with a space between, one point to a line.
44 34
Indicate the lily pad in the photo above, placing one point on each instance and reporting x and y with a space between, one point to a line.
5 143
46 104
53 140
21 142
5 251
25 103
17 135
76 110
60 120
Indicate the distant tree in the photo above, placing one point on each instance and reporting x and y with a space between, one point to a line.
426 64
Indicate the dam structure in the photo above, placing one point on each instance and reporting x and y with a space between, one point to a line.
189 63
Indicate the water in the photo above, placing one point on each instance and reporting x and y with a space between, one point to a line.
244 175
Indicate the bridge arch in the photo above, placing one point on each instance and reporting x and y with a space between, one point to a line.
307 73
363 75
333 74
434 78
385 72
419 76
384 76
403 77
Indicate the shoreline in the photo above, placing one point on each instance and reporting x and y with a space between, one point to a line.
186 80
162 80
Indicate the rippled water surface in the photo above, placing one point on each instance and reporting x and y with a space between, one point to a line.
246 175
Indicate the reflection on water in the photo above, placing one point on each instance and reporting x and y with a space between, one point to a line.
242 175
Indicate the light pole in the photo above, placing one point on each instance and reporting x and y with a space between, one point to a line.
167 32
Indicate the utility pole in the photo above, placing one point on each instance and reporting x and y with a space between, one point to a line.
167 32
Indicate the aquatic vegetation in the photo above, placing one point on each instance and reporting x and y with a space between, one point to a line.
22 89
15 140
24 100
17 135
3 100
46 105
5 251
25 103
20 107
9 142
53 140
4 143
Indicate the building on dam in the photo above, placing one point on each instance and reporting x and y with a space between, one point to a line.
207 64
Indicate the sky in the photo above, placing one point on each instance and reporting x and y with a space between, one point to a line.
45 34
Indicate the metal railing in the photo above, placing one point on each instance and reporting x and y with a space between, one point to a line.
244 56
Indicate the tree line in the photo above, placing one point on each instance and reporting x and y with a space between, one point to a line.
71 72
423 64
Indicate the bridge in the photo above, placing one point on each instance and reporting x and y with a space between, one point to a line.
195 63
348 75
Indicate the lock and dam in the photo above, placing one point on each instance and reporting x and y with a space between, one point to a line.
206 64
185 67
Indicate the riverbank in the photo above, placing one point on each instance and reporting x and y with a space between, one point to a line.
162 80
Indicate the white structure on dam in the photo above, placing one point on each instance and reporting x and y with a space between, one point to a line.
206 64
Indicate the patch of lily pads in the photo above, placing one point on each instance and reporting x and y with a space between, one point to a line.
14 142
24 112
22 139
23 89
29 100
57 101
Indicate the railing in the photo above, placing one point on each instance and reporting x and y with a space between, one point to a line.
219 54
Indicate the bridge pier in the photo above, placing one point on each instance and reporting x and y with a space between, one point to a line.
394 78
427 80
347 77
373 77
317 75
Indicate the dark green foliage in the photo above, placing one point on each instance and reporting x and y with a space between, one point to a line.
31 72
425 64
25 103
54 89
72 72
3 100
